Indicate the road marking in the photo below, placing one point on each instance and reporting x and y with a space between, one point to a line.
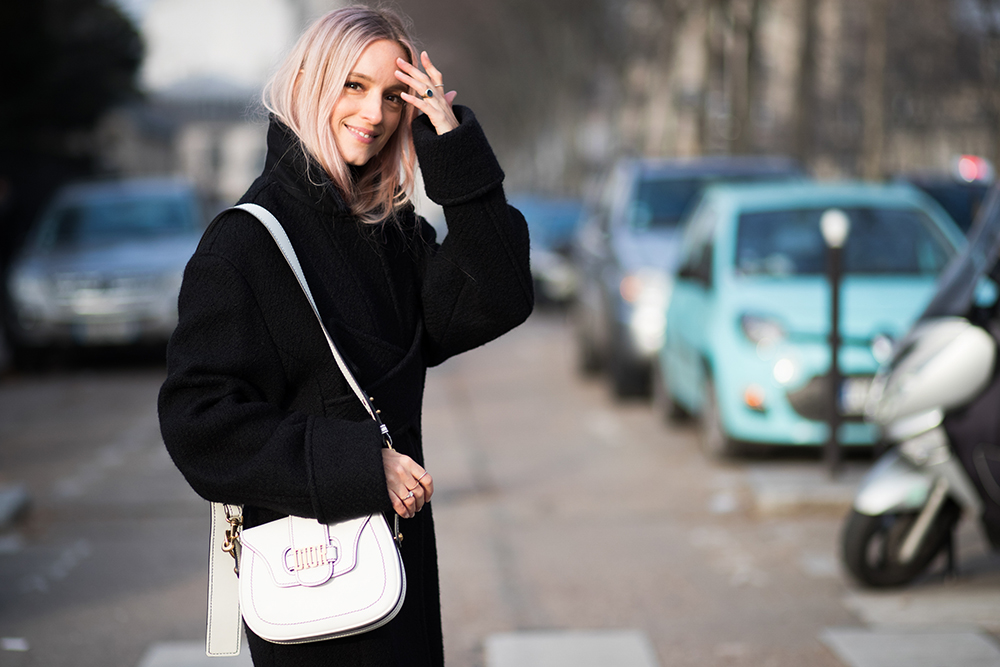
189 654
67 561
858 647
88 475
571 648
937 606
14 644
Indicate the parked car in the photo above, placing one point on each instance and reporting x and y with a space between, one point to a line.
961 191
626 249
552 221
103 266
747 348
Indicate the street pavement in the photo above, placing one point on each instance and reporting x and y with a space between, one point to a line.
572 529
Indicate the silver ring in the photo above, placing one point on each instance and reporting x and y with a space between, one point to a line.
408 495
439 85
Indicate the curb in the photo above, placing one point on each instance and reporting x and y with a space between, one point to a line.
782 490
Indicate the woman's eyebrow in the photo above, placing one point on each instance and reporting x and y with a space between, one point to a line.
365 77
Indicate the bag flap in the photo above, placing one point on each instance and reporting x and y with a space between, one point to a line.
304 552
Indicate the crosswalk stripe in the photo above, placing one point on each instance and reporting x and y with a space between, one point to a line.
189 654
571 648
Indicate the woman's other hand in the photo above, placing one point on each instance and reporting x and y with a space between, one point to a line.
431 98
410 486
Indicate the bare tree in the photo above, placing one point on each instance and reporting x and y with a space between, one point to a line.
805 86
873 135
989 63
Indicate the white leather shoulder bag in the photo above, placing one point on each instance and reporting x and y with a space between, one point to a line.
299 580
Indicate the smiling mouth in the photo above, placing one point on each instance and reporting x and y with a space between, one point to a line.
366 137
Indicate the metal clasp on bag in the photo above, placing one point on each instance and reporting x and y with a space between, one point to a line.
397 536
386 438
229 545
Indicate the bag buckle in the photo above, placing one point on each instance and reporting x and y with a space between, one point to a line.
229 545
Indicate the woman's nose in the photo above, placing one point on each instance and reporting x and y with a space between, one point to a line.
371 109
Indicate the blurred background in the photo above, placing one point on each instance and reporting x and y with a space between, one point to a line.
848 87
638 138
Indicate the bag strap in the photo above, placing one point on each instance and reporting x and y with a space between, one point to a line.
224 618
285 246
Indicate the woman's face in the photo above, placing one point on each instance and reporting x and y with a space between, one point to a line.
370 107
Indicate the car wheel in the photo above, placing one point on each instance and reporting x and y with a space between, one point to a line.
714 440
627 378
29 358
663 402
871 545
588 358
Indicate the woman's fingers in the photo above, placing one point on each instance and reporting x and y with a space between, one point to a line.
426 483
432 71
398 506
430 98
410 486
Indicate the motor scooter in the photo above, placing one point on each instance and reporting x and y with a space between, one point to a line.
937 400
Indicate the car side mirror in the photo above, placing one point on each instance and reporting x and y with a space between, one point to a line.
699 271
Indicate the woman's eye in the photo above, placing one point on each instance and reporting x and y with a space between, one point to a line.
394 99
353 85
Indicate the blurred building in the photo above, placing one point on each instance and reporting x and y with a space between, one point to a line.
216 141
204 68
851 87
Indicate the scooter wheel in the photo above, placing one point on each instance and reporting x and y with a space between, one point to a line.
872 544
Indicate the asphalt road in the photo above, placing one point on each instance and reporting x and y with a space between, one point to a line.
557 508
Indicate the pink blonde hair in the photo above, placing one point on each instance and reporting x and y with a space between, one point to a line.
307 85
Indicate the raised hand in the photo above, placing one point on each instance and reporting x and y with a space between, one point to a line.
430 97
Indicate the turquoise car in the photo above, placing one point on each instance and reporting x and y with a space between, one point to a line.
746 347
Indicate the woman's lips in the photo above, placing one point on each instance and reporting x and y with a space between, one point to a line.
365 137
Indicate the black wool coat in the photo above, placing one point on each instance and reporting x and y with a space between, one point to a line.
254 410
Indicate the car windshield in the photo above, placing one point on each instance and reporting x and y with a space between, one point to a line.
113 220
550 223
881 241
662 202
960 200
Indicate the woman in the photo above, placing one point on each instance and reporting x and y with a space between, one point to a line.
254 410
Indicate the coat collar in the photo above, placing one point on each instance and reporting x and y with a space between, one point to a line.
297 174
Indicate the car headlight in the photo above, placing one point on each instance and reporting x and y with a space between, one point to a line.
648 292
761 330
785 370
28 290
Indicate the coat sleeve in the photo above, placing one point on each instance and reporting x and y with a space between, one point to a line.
222 419
476 285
